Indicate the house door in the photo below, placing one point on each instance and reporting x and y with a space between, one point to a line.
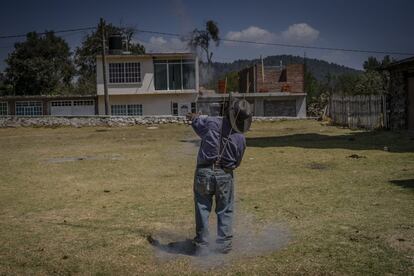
184 108
410 105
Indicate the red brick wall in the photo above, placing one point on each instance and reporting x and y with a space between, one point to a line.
295 77
290 79
271 79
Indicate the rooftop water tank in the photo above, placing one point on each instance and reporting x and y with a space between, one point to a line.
115 44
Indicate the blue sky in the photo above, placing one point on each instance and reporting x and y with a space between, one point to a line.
366 24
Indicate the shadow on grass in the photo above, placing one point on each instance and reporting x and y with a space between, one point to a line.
377 140
404 183
184 247
196 142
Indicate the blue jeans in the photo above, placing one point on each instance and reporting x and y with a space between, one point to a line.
220 184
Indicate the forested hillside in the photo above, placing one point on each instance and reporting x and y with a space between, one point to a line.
318 68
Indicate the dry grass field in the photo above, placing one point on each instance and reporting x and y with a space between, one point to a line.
311 199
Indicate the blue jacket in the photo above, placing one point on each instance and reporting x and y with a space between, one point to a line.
209 128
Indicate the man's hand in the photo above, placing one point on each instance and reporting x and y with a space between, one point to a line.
191 116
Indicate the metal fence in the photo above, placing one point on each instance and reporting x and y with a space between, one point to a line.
362 111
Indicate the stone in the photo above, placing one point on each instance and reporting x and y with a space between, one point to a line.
104 121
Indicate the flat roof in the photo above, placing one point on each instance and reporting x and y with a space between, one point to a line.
52 97
399 62
252 95
151 55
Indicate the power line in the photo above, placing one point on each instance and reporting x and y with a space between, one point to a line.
234 41
43 33
289 45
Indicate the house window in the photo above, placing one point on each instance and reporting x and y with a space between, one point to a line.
119 110
4 109
29 108
188 74
174 74
124 72
174 109
126 110
193 108
183 109
83 102
135 110
61 103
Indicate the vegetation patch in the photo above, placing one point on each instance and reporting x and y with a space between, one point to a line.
344 217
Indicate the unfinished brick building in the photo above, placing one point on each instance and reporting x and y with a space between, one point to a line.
273 91
258 78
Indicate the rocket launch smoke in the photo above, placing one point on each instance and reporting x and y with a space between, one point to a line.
250 239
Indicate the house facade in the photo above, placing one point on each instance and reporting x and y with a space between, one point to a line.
149 84
272 91
40 105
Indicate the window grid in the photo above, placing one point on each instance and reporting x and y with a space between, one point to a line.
181 62
4 108
193 107
135 110
83 102
61 103
29 108
175 109
132 72
119 110
126 110
125 72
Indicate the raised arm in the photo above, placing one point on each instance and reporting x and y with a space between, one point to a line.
198 123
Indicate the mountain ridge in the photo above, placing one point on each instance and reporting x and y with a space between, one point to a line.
319 68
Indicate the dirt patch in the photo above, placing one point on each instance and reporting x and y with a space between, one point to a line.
83 158
356 156
250 240
102 130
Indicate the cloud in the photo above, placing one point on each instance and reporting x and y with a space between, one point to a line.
252 33
300 33
163 45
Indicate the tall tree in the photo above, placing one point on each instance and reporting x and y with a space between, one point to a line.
41 65
371 64
85 55
201 39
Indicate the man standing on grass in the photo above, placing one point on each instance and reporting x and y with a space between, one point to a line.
221 151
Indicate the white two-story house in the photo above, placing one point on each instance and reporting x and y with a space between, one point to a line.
150 84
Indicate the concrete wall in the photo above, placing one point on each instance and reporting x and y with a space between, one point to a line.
210 104
300 101
147 76
152 104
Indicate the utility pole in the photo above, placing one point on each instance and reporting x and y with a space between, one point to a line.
106 95
261 61
304 71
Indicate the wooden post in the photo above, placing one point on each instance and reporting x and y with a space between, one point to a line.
106 95
254 79
261 59
247 81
